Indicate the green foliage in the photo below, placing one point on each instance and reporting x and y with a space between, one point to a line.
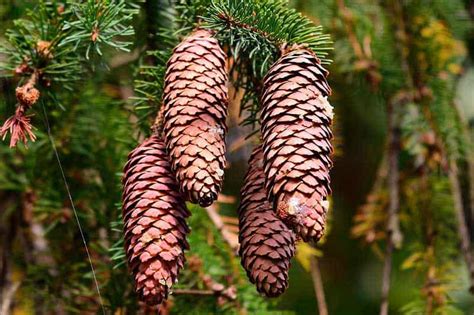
45 24
254 32
56 39
99 23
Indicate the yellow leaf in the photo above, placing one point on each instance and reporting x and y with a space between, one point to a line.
454 68
303 254
411 261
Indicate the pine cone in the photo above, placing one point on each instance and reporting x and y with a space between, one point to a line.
195 100
154 216
266 244
296 123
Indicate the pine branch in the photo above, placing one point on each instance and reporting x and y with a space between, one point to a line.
99 23
363 55
49 46
255 32
192 292
392 229
258 29
217 290
394 236
8 295
461 219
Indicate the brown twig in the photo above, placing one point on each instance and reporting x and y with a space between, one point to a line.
462 226
219 291
212 287
229 237
7 297
363 52
231 21
347 17
192 292
9 221
471 184
394 236
318 286
392 228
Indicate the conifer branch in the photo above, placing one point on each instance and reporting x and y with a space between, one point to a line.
8 295
424 96
255 32
192 292
49 45
461 220
393 235
364 58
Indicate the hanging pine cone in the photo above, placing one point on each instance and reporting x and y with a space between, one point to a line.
154 221
296 127
266 244
195 100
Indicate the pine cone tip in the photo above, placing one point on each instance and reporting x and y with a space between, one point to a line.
307 220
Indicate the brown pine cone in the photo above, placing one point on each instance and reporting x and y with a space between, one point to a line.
266 244
296 123
195 100
154 216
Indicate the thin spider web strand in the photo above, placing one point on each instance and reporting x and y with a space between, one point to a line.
51 139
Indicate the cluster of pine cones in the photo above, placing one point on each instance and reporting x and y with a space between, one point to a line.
284 197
